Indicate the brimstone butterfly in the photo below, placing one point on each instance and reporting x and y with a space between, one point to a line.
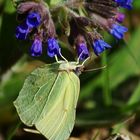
48 99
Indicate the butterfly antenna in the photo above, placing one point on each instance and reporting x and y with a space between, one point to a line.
62 56
56 58
78 60
95 69
85 61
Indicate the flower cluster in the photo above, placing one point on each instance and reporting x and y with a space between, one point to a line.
39 26
104 15
31 27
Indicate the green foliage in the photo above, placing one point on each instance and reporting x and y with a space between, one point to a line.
56 2
136 4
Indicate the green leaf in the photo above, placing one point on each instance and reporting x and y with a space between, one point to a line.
135 97
56 2
16 2
136 4
48 100
9 52
9 8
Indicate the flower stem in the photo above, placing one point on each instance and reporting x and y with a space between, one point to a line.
106 89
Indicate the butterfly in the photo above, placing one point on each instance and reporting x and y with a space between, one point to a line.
49 98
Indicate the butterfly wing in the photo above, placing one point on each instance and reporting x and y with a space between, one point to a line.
58 116
48 101
34 93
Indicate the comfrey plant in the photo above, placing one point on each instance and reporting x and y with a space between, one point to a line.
49 96
37 26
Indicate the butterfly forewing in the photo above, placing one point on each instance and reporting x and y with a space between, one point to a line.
48 100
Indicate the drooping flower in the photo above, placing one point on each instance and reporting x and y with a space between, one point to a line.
33 19
118 31
82 51
99 46
36 48
125 3
22 31
120 17
53 47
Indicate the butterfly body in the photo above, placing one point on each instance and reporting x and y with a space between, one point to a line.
68 66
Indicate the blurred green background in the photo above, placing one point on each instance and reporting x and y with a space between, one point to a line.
109 100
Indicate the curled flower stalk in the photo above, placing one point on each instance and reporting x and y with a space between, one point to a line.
81 22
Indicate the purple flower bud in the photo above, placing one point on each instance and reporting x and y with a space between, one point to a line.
82 51
53 47
22 32
118 31
125 3
36 49
120 17
99 46
33 19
